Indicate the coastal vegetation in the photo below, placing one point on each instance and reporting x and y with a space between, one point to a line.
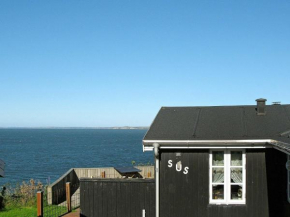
149 163
19 200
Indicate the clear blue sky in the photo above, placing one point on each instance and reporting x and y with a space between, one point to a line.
69 63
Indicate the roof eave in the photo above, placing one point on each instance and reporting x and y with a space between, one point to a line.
281 146
148 144
251 143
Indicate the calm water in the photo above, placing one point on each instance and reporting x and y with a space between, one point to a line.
45 154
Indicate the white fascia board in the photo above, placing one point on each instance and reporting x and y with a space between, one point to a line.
212 147
206 147
188 142
206 144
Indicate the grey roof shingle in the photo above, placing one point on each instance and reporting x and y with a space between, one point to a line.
220 123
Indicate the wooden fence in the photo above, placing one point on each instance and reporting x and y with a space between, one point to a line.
55 192
70 202
55 195
110 172
117 197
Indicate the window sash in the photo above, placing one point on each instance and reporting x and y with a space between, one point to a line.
227 178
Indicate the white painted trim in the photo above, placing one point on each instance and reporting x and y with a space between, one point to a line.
146 148
211 147
188 142
184 144
227 184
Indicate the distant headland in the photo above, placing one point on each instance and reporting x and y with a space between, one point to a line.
109 128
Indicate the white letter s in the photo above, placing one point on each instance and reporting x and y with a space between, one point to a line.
170 163
185 170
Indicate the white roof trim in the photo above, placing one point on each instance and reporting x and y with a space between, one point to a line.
205 147
185 144
224 144
206 141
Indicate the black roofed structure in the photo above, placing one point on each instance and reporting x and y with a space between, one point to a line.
2 166
128 171
218 123
222 160
124 170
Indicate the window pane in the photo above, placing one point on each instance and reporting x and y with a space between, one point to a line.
236 175
236 192
236 158
217 192
218 175
217 158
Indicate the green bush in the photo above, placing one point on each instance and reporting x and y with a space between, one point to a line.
23 195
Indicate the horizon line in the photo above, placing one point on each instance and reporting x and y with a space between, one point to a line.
122 127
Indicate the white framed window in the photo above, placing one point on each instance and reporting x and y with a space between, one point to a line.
227 177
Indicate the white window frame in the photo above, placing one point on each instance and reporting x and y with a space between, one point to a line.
288 181
227 181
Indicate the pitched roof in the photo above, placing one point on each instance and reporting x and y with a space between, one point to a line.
123 170
221 123
2 166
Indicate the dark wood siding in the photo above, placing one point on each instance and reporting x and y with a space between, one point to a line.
117 197
277 183
185 195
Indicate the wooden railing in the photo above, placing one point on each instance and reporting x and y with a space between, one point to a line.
56 194
46 210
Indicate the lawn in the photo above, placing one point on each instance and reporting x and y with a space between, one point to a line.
19 212
20 201
32 211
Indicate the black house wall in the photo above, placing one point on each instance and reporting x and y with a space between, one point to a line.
183 195
187 195
117 197
277 183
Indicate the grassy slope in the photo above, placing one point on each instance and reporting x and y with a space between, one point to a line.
19 212
30 211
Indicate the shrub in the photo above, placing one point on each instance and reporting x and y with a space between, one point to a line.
23 195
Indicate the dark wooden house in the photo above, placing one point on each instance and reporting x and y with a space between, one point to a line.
221 161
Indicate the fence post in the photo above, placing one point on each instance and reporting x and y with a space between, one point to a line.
40 204
104 174
68 197
149 174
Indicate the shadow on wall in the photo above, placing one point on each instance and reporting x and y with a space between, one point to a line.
277 183
56 193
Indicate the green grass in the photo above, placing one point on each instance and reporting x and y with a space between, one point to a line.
19 212
29 211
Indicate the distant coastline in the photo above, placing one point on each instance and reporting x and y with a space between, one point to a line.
97 128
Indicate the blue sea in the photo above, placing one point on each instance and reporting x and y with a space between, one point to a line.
46 154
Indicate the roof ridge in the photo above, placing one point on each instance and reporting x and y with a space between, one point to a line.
164 107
